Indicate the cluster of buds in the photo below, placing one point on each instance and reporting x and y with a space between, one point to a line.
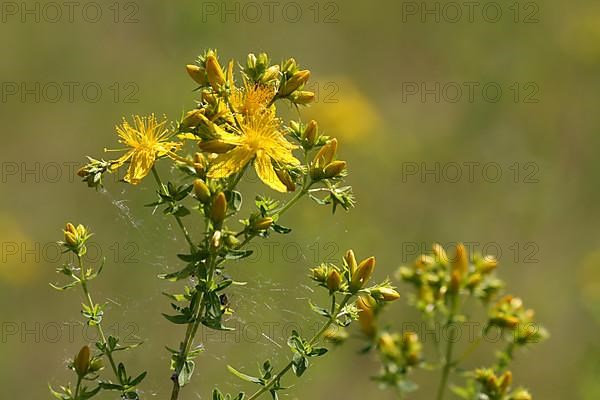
495 387
324 165
405 350
509 313
437 276
308 135
92 172
259 69
330 277
292 82
75 238
352 278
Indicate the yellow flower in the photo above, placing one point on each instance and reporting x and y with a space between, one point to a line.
260 140
147 140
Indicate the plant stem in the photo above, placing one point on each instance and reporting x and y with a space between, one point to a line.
78 387
506 357
312 341
448 364
163 190
91 304
192 329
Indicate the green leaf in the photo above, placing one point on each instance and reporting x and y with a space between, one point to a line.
234 198
139 379
318 352
186 373
321 311
179 275
281 229
243 376
217 395
299 364
238 254
178 319
66 287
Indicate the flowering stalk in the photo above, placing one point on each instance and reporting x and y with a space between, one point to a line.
441 284
84 364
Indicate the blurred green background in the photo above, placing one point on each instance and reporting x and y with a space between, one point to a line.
539 217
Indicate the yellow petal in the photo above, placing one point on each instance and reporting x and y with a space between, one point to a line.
265 171
282 155
229 163
141 164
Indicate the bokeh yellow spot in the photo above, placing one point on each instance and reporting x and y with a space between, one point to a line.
19 255
343 110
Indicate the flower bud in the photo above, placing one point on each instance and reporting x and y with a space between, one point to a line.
251 61
303 97
263 223
214 72
507 321
505 381
191 119
215 240
295 82
440 254
262 60
70 239
70 228
96 365
81 231
334 281
460 262
198 74
385 294
336 335
219 208
286 179
81 363
350 261
270 74
474 280
488 264
289 65
310 133
326 154
455 279
388 347
362 274
320 273
521 394
334 169
366 316
412 348
201 191
214 146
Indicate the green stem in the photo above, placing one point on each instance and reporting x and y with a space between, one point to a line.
448 363
163 190
192 330
506 357
78 387
91 304
312 341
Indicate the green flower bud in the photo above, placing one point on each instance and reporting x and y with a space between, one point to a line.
81 363
219 208
201 191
